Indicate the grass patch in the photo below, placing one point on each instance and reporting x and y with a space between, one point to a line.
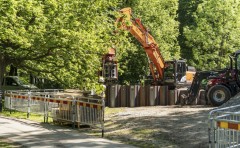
40 118
112 111
23 115
142 132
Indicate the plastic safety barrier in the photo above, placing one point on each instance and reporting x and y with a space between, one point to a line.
224 127
77 110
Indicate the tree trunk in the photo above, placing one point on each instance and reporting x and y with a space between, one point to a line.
3 66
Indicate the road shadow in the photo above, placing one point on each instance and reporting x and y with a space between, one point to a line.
30 134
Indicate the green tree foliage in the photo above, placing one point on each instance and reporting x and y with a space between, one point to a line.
161 20
64 40
134 66
215 34
185 17
59 40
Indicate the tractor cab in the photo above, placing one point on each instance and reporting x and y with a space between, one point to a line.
177 72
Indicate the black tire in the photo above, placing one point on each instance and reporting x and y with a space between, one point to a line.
218 94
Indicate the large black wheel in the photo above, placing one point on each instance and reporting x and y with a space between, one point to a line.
218 94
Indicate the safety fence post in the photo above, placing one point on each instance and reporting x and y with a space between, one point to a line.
45 112
103 111
47 107
28 106
214 131
10 103
73 112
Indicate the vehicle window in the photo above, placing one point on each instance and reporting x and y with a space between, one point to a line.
181 68
169 74
169 71
10 82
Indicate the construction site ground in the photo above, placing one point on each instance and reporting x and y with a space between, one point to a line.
159 126
154 126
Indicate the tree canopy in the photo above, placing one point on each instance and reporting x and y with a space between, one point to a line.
60 40
214 34
64 40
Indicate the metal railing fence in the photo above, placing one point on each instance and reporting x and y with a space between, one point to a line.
77 110
224 127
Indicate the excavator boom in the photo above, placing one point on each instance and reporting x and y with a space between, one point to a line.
137 29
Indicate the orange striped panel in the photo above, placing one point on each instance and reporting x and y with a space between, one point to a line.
57 101
19 97
65 102
99 107
228 125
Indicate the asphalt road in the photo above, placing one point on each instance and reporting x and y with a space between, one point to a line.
36 135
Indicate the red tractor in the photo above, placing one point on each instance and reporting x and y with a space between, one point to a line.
221 85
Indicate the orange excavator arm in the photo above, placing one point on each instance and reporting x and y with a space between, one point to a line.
137 29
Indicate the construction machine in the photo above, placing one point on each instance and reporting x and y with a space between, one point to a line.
109 72
163 72
221 84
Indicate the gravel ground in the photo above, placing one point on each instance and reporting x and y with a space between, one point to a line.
232 102
159 126
164 126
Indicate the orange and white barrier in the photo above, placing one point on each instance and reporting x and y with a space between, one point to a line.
224 127
74 110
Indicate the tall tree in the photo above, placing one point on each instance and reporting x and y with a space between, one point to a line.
63 40
215 34
185 13
60 40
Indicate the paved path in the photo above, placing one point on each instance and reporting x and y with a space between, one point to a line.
35 135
